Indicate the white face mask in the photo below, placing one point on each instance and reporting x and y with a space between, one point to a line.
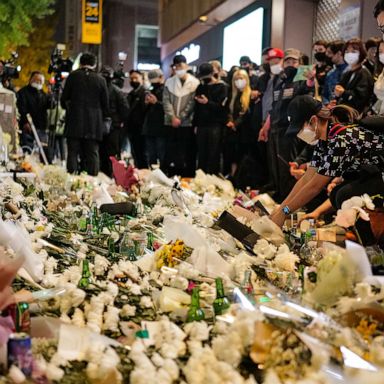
276 69
240 84
37 86
381 58
180 73
351 58
308 136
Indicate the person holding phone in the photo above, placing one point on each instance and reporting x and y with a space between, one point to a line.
209 119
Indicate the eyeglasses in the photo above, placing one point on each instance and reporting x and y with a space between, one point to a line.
381 28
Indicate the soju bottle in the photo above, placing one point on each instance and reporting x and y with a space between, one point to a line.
95 218
89 224
221 303
306 250
127 247
150 241
85 276
195 313
111 247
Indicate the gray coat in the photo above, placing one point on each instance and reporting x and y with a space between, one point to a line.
179 100
85 97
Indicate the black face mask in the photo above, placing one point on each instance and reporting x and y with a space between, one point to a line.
134 84
320 57
290 72
156 85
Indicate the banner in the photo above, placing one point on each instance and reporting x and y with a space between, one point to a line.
92 15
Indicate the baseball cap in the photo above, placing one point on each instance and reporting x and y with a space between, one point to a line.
205 70
178 59
292 53
154 74
300 110
275 53
245 59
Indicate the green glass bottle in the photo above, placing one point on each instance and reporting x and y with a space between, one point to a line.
111 247
150 241
221 303
195 313
127 247
246 285
85 275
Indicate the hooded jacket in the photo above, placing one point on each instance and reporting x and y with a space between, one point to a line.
179 99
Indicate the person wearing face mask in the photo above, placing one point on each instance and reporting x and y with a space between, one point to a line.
118 110
179 103
154 130
335 55
85 99
371 46
378 105
247 65
218 72
209 119
136 116
32 100
283 148
323 64
356 84
237 131
342 150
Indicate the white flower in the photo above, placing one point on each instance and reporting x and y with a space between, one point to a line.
346 217
78 318
53 372
101 265
285 259
197 330
146 302
16 375
157 360
113 289
264 249
111 319
355 201
135 289
180 283
128 311
368 202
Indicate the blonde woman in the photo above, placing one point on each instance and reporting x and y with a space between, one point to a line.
239 120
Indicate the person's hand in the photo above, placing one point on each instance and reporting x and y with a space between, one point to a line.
332 104
201 99
310 74
176 122
278 217
339 90
255 95
263 134
27 128
336 181
293 166
231 125
312 215
150 98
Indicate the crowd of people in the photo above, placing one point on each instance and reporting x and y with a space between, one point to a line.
237 124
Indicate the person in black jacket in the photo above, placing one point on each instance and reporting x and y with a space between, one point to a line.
284 149
32 100
135 121
117 113
154 130
356 85
210 117
85 98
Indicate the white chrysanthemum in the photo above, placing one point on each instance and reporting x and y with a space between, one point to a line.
53 372
197 330
16 375
101 265
264 249
78 318
146 302
111 319
128 311
285 260
135 289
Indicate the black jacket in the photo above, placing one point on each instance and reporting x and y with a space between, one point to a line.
284 91
137 110
85 97
154 118
36 103
214 112
118 107
358 87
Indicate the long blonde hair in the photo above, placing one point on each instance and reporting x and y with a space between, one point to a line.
246 95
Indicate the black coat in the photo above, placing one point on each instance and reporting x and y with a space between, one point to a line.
137 110
85 97
154 118
214 112
36 103
118 107
358 87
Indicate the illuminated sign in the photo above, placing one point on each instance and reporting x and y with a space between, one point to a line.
191 53
147 66
92 14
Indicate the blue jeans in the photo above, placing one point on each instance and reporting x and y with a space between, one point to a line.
155 149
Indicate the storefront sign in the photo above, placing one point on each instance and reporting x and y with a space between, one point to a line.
92 14
192 53
349 23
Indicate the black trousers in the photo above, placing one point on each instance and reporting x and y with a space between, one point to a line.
209 144
155 149
283 149
181 152
137 141
85 150
110 146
